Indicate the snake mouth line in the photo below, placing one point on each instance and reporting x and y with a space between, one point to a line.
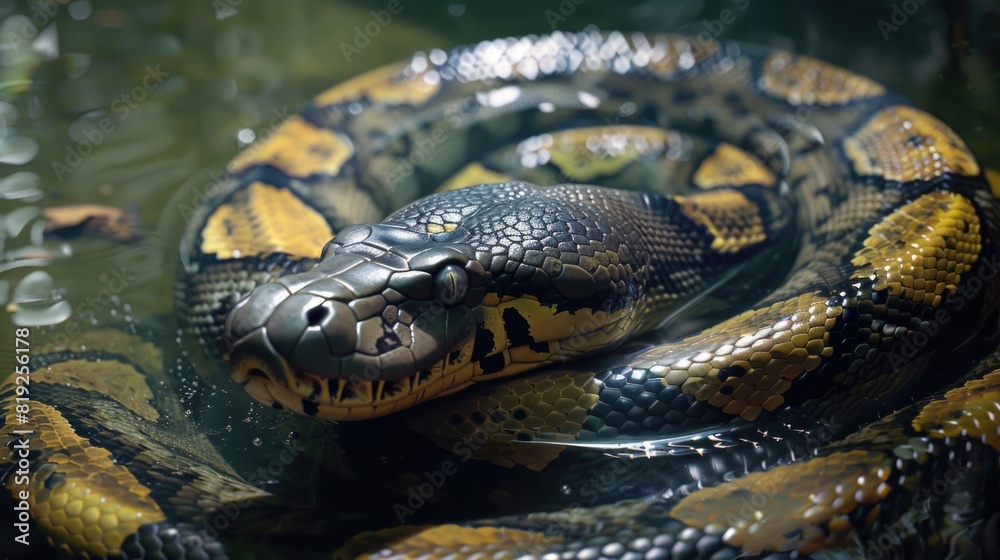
274 382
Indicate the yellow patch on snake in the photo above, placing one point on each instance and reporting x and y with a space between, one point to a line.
921 250
993 176
83 502
569 334
584 154
444 541
802 80
773 346
387 84
803 507
730 166
298 149
473 174
492 423
262 220
114 379
970 411
905 144
730 217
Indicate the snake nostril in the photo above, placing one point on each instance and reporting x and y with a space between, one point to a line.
316 315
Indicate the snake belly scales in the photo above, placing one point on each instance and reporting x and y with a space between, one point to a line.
513 310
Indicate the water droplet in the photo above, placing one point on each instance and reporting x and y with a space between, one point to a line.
80 10
17 150
16 221
22 185
245 136
36 304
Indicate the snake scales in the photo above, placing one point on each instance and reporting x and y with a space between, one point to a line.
829 415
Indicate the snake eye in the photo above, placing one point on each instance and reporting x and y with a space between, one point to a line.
451 285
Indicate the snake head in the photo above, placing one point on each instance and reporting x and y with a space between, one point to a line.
377 320
458 287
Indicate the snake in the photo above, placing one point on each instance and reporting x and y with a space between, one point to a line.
751 313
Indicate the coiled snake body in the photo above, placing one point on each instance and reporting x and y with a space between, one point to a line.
506 312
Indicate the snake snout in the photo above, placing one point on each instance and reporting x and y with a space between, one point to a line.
252 312
288 321
359 316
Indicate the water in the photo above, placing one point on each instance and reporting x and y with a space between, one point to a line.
140 105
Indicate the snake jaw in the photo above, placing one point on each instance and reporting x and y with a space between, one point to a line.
374 323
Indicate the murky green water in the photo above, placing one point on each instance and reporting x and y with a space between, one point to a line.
141 104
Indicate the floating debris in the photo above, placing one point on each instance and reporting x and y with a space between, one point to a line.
93 219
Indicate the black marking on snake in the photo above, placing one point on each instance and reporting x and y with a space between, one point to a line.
76 406
517 328
387 342
484 344
493 364
311 408
330 117
685 96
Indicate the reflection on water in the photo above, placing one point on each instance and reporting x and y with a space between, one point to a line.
141 105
